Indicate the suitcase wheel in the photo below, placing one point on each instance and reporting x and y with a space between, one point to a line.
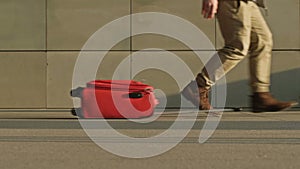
76 112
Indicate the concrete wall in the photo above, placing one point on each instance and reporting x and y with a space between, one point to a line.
40 41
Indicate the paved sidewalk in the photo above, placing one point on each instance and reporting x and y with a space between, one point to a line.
243 140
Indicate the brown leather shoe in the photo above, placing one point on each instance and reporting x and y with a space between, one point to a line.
264 102
197 95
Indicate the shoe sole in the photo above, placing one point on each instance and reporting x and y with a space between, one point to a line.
265 111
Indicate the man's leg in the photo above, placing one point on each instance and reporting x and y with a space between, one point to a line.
260 52
235 25
260 65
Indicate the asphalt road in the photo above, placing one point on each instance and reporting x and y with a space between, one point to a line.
242 140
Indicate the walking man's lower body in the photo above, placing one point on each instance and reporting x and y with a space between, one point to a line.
245 32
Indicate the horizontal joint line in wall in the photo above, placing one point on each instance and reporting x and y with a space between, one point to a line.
172 50
35 110
3 51
286 50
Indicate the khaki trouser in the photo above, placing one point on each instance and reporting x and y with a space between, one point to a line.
245 32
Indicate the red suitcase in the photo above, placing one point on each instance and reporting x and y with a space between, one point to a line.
115 99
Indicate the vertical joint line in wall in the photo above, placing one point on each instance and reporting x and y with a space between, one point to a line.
46 24
215 33
130 45
216 92
46 49
130 39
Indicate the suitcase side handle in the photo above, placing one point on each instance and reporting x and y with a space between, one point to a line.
140 94
135 95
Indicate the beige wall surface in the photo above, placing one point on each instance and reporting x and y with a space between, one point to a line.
40 41
23 24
